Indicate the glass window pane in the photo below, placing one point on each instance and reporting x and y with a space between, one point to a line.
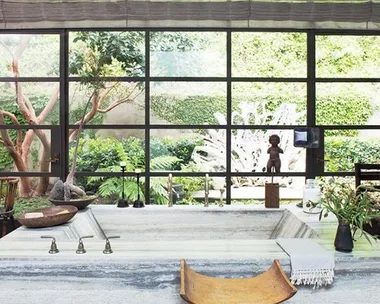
268 54
268 103
40 100
250 152
188 54
38 55
115 103
188 103
347 103
347 56
194 150
344 148
93 54
28 147
102 150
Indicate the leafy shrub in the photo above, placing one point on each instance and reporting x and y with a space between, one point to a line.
344 152
134 148
182 149
348 109
158 148
112 186
190 184
98 153
5 160
94 154
189 110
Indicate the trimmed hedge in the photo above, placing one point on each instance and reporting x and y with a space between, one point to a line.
344 152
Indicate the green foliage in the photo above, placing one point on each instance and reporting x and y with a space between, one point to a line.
349 205
134 149
188 110
200 110
158 148
164 162
182 149
356 56
5 160
98 153
176 41
344 152
100 53
110 187
190 184
103 53
269 54
94 154
347 109
30 204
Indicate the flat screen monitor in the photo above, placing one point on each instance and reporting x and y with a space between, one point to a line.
306 137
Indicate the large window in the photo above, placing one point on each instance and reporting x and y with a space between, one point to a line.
187 103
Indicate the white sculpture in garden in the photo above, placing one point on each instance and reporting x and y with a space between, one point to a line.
249 146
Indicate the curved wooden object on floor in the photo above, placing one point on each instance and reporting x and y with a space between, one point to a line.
269 287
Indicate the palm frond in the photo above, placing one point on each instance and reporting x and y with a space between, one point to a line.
163 162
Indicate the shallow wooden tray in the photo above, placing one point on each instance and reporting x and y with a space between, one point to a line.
52 216
80 203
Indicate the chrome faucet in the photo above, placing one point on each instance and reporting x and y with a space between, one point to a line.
81 249
221 197
53 246
170 190
206 204
108 249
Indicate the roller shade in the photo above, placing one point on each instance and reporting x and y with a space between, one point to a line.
18 14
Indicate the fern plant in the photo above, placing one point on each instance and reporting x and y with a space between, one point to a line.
112 186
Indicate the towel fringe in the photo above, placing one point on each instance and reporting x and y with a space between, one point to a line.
316 277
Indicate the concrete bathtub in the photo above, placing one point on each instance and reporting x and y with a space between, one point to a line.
233 241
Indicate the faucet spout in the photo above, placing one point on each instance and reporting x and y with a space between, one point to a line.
206 204
170 190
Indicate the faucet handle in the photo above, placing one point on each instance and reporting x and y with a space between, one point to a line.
53 246
113 237
81 249
107 248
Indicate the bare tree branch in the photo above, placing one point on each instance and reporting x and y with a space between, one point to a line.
90 115
8 143
122 100
18 131
49 106
113 105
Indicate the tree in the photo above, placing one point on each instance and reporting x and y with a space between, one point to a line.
20 148
94 55
94 59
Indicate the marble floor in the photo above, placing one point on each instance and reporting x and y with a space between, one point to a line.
233 241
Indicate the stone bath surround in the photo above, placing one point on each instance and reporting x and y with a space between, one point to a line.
233 241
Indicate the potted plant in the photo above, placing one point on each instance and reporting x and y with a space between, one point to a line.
352 207
373 227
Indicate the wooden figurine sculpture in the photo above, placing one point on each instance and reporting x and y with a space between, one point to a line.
274 154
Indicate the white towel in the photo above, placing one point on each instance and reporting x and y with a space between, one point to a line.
310 263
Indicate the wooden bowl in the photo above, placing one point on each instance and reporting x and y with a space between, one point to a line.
47 217
80 203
